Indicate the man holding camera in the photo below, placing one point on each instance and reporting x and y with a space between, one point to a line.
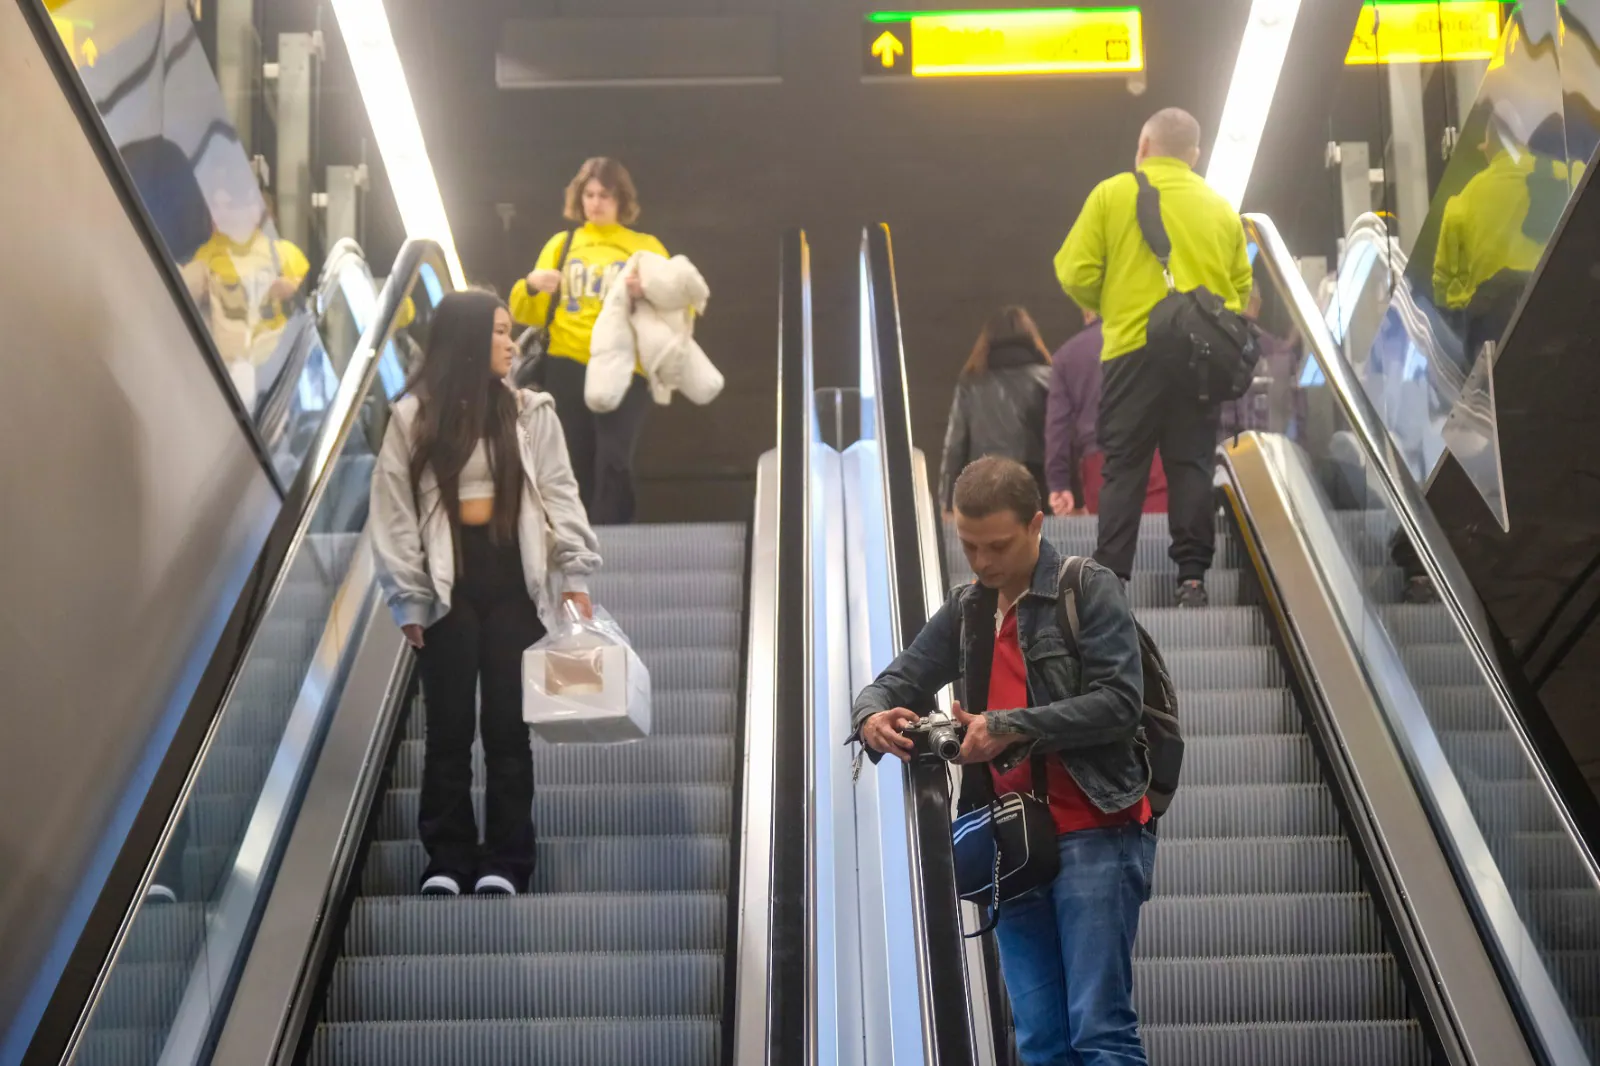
1107 266
1066 950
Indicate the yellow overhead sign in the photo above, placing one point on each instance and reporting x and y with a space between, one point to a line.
1401 32
939 44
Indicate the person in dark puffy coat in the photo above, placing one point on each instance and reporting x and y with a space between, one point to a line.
999 405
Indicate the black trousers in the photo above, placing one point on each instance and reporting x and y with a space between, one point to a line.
601 446
1142 409
477 648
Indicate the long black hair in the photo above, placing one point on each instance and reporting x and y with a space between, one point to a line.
461 402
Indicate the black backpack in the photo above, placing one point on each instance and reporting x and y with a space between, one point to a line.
1214 348
1163 736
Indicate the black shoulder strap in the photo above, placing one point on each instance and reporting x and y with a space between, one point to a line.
1148 210
555 297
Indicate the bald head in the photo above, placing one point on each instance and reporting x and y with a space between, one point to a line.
1171 132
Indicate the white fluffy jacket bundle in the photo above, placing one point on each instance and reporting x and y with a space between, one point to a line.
657 334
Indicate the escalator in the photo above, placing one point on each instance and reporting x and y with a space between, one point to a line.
618 953
1261 943
298 934
1366 861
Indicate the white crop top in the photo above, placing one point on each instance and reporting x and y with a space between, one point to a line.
476 481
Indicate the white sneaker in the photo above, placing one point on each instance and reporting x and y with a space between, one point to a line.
441 885
495 885
158 893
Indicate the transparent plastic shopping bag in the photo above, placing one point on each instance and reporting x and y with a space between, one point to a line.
584 683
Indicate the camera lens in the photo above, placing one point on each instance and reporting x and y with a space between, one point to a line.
946 744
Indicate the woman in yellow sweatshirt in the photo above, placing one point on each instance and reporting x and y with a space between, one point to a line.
603 199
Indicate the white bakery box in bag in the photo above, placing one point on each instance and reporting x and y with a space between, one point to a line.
584 683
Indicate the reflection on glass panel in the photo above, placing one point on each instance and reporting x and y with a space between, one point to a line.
171 984
1488 799
1512 170
143 66
1580 81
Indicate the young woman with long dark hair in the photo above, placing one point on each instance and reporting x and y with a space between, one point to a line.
476 517
602 202
999 405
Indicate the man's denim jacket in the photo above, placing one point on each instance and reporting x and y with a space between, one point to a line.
1088 710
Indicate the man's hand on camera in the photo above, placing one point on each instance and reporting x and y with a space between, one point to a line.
882 732
980 744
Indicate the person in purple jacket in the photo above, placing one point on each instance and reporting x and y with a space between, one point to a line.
1072 455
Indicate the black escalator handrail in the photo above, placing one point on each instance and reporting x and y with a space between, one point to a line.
947 1021
306 493
771 1006
1405 497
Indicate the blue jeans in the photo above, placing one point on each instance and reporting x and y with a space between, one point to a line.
1066 951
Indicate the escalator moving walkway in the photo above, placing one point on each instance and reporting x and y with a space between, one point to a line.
617 956
1261 943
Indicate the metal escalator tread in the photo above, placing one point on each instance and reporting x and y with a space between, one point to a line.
1260 945
616 957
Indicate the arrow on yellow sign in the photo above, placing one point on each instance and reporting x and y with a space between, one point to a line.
888 48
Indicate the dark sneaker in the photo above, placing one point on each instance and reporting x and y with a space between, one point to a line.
159 893
1192 593
495 885
441 885
1421 590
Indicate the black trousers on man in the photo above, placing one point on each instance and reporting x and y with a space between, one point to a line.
476 651
1143 408
601 446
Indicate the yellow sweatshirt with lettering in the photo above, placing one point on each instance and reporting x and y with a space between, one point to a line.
598 255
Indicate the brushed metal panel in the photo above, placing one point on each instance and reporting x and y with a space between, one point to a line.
134 509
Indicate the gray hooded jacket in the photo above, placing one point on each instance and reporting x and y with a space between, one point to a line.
416 555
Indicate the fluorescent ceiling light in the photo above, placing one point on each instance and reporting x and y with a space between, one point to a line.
365 28
1255 81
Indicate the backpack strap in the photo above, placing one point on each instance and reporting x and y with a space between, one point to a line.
1069 587
1147 208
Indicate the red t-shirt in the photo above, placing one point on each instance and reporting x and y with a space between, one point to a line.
1008 690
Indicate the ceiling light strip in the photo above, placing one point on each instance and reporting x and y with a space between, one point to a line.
365 27
1262 50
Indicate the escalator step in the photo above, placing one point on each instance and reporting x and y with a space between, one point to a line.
662 591
1354 1043
1216 627
1225 668
1239 712
460 987
162 934
579 1042
657 760
1214 811
413 925
697 547
584 864
1219 926
596 810
662 630
1249 760
683 713
1321 988
1247 867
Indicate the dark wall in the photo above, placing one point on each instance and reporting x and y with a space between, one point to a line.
979 181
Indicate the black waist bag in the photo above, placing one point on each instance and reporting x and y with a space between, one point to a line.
1005 848
1213 348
